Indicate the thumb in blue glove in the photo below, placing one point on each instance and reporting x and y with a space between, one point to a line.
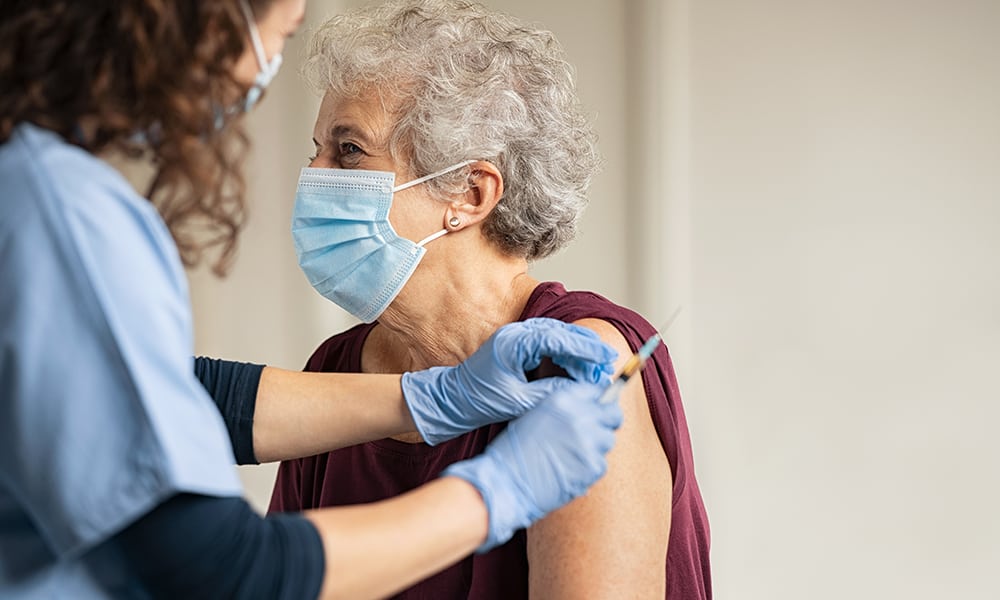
491 386
544 459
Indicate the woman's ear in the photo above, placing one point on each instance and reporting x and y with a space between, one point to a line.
485 191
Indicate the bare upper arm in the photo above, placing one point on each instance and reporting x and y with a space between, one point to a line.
611 543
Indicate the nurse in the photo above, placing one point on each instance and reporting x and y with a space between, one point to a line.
115 465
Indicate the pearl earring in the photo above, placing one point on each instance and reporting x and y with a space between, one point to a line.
454 221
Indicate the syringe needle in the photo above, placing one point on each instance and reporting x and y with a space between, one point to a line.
635 362
669 322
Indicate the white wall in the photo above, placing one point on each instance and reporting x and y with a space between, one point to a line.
818 184
845 225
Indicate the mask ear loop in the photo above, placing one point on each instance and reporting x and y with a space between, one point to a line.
420 180
255 41
432 237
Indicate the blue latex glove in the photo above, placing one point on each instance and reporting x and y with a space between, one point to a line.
491 385
543 459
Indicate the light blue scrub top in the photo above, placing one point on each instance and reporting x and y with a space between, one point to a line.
101 416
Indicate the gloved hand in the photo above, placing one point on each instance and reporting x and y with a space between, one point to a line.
491 385
543 459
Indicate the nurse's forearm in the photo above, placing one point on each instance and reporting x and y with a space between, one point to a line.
392 544
356 552
301 414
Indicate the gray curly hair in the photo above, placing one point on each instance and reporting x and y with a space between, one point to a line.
473 84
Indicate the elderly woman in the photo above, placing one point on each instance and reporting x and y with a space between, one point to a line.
451 151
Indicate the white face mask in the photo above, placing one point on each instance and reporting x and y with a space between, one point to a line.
268 69
346 246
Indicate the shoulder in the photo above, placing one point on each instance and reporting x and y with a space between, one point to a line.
77 208
613 321
73 227
38 163
658 398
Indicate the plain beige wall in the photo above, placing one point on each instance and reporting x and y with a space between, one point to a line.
819 185
846 218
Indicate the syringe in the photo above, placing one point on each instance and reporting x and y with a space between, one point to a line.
636 362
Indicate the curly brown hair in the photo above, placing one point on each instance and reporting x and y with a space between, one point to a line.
119 68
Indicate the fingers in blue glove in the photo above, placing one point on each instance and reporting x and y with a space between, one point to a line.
491 385
544 459
568 394
576 349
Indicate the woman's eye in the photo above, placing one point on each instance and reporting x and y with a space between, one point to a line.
347 148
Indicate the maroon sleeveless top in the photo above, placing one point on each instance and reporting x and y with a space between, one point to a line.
386 468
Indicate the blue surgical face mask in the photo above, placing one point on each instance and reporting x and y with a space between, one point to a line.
345 244
268 69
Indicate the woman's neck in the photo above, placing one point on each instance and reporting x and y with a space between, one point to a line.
441 318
